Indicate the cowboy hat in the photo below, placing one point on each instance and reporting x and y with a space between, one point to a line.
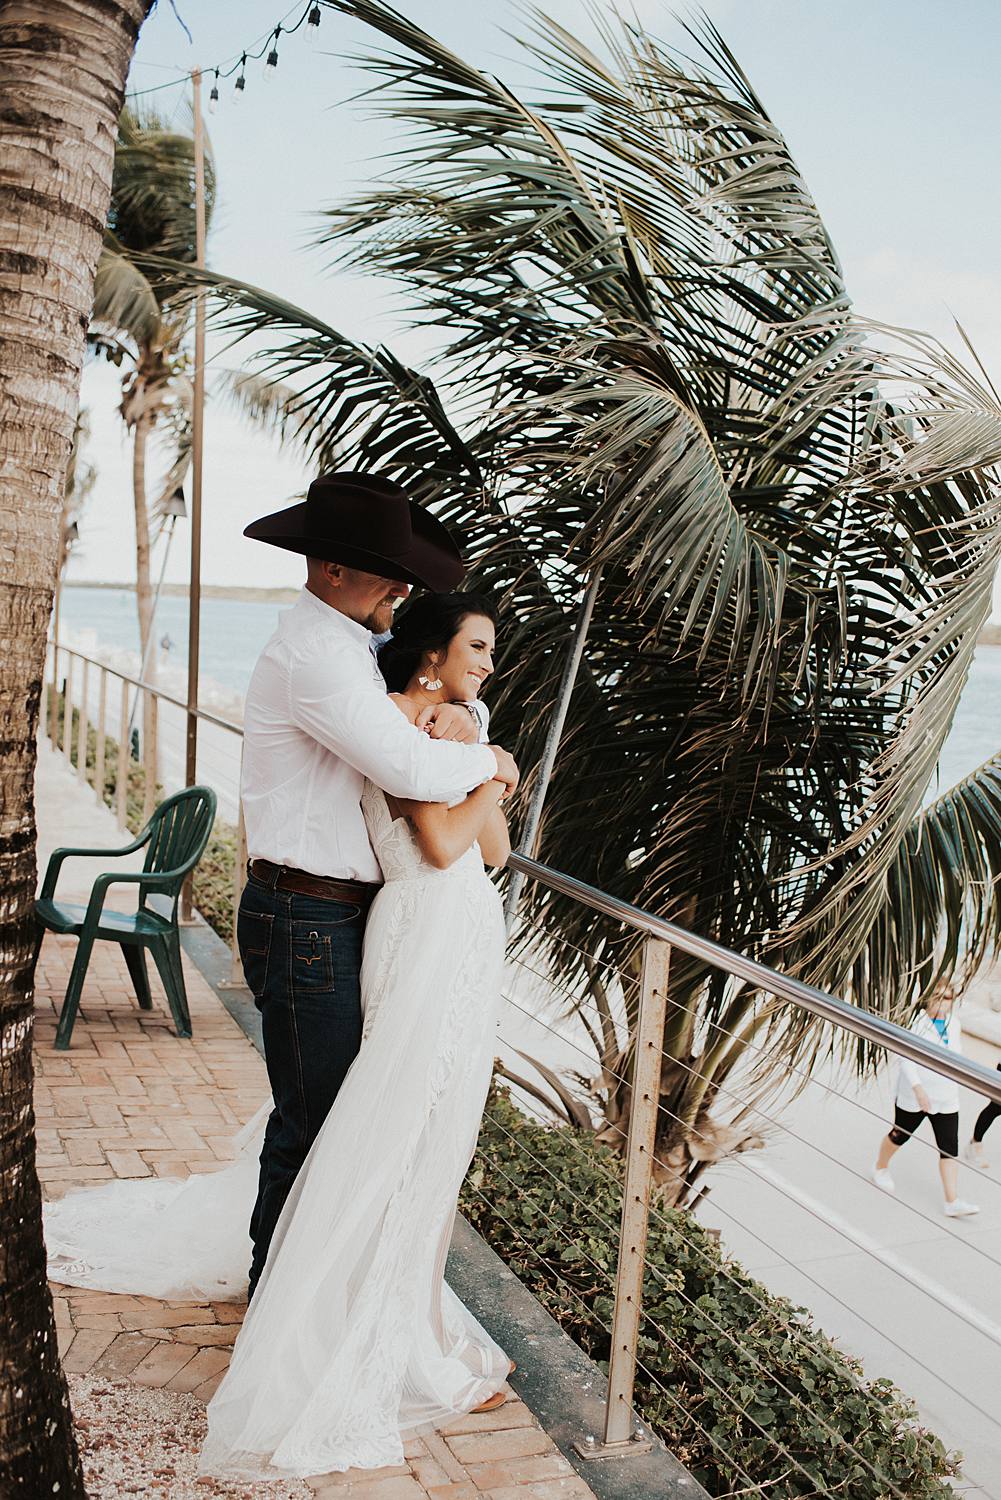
368 522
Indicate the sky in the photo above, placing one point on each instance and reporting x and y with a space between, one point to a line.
890 107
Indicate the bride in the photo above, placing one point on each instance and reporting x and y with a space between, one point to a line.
353 1340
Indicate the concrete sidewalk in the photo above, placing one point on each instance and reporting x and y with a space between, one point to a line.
130 1099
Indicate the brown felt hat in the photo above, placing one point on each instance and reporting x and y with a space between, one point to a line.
366 521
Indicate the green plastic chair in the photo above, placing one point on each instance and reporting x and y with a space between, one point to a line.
176 836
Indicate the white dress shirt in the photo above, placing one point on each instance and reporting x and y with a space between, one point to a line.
943 1094
317 721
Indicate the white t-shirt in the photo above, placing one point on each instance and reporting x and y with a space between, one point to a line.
943 1094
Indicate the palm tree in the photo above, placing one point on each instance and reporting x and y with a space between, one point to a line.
61 87
152 211
650 361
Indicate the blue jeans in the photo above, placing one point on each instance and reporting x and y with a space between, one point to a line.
302 959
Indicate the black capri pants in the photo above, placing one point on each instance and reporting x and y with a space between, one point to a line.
945 1128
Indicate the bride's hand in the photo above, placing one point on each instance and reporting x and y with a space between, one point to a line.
449 721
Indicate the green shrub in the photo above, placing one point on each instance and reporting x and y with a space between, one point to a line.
745 1374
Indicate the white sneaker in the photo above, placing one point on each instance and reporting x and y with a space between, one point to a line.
957 1209
973 1153
881 1177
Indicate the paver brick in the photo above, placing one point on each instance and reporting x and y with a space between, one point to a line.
511 1414
485 1447
403 1487
549 1489
123 1354
162 1363
519 1470
87 1348
205 1364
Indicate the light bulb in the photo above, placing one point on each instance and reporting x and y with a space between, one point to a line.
271 61
241 81
214 94
313 24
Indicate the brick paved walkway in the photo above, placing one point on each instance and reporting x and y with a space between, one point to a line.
130 1099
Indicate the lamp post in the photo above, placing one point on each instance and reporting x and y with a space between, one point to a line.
197 417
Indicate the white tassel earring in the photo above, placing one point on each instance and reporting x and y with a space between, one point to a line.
429 683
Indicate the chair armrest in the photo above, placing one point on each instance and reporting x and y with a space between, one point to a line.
57 857
158 883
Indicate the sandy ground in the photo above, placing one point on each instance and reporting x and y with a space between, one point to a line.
139 1441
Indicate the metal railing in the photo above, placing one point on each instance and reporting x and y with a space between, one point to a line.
660 936
640 1138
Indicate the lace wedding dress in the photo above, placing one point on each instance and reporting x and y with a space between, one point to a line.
353 1340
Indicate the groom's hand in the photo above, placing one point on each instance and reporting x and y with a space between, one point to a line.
449 721
507 770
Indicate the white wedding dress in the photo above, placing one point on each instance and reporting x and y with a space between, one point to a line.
353 1340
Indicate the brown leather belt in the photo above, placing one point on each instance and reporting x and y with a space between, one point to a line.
283 878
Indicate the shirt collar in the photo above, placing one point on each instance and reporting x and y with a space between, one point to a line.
335 619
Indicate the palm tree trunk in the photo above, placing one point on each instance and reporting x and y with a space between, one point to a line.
63 65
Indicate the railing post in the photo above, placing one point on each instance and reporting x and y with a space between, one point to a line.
102 726
122 772
54 705
640 1149
81 729
236 981
150 759
68 710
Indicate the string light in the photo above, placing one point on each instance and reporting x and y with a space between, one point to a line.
267 48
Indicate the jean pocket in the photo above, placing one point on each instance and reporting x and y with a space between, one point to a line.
312 959
254 930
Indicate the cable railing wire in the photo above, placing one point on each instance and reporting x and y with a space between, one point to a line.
747 1354
756 1109
580 998
660 1218
658 1328
805 1207
659 1275
687 1415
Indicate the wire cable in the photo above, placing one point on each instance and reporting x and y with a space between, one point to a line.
774 1442
803 1206
580 999
677 1228
560 1277
665 1281
757 1109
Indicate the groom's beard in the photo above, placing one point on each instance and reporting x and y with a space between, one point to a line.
381 618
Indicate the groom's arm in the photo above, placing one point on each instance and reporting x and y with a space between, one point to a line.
340 704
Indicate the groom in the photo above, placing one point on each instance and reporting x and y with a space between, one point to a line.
317 722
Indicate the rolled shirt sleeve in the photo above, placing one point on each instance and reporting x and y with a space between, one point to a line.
350 714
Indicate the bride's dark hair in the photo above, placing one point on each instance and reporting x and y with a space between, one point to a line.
427 623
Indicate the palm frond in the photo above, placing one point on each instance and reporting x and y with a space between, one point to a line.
124 301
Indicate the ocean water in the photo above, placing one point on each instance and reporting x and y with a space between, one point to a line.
103 622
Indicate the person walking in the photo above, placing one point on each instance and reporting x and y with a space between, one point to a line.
923 1093
974 1152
